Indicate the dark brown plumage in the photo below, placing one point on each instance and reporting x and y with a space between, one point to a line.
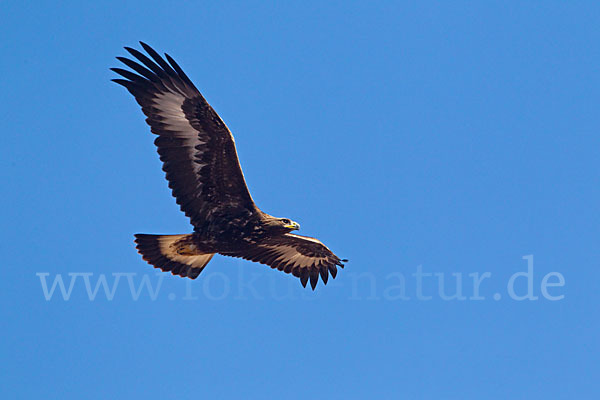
202 168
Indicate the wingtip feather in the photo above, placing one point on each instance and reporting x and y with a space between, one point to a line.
304 280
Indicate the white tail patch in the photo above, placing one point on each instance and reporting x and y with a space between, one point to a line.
166 244
163 251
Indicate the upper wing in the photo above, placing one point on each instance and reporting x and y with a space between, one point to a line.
302 256
194 144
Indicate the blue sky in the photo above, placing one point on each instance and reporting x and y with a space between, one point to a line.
450 138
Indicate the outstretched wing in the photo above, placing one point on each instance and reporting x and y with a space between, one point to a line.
302 256
194 144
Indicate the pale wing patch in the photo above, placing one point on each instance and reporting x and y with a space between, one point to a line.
292 257
168 105
308 239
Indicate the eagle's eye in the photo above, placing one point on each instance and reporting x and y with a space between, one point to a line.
286 221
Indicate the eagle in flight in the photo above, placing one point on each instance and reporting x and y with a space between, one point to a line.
202 168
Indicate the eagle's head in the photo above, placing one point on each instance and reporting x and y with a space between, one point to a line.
289 224
279 226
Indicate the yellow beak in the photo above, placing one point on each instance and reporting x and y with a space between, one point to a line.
293 225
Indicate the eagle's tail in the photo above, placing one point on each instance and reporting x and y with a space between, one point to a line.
171 253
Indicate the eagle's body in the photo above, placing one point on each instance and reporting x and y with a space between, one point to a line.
201 164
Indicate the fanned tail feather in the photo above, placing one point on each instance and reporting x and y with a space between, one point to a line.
160 252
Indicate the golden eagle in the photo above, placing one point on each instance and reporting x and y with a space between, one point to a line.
201 164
